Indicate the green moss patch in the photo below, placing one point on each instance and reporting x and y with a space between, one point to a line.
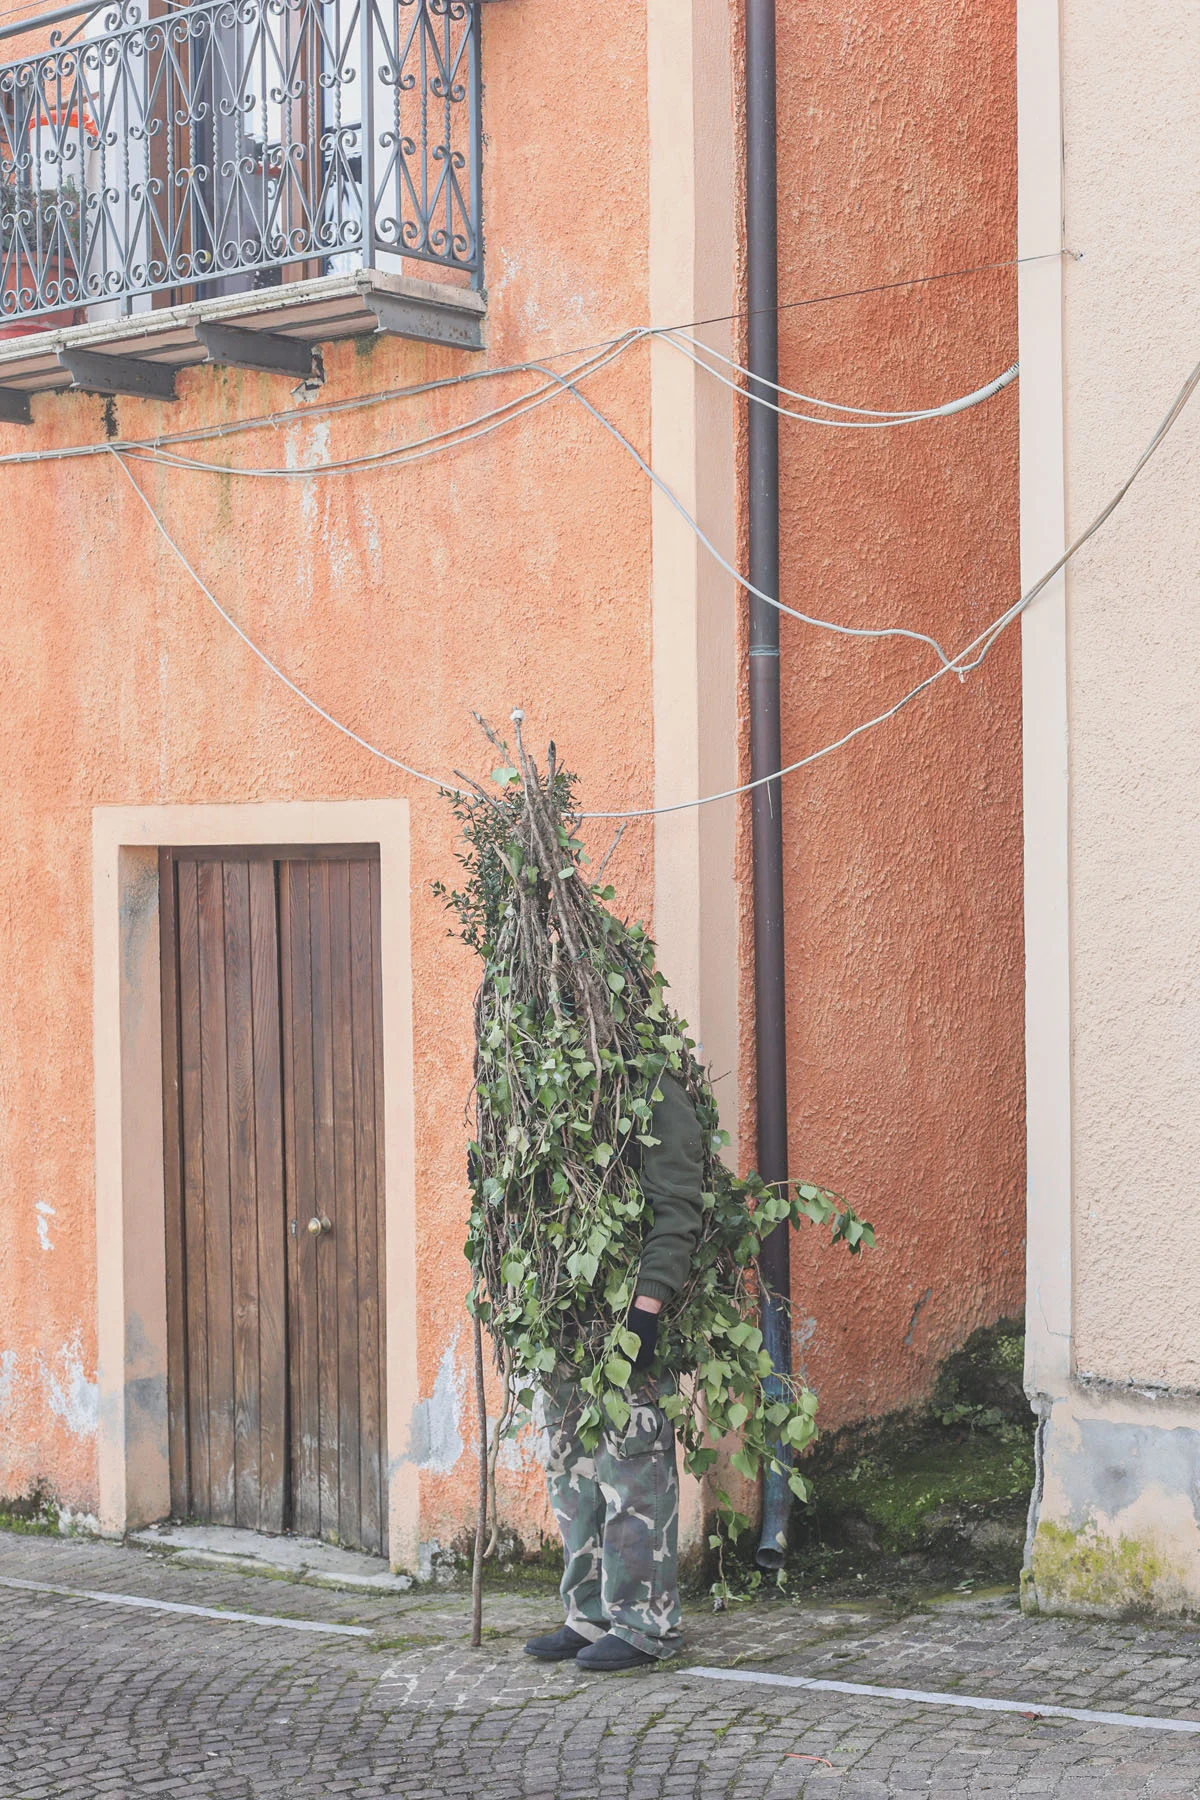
1086 1571
935 1497
36 1512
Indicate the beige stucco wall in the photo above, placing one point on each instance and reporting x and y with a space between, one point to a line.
1134 699
1115 1134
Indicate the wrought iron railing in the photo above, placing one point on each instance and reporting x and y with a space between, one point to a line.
206 147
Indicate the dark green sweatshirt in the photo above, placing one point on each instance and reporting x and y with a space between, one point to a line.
672 1180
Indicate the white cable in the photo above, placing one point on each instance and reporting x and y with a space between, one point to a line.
324 408
877 417
959 664
854 631
417 449
414 449
295 415
555 385
961 667
393 761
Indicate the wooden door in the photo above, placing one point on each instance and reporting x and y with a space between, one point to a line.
226 1287
272 1123
332 1088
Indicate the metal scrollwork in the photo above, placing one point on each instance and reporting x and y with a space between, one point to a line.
233 136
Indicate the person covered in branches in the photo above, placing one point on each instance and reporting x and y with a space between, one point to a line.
614 1255
617 1505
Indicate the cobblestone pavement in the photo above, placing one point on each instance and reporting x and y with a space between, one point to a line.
103 1699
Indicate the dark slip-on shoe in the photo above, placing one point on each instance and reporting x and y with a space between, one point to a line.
557 1646
611 1653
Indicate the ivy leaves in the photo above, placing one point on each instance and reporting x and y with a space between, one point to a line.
848 1228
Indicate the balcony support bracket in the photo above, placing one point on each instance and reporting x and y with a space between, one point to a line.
14 407
269 350
93 372
404 315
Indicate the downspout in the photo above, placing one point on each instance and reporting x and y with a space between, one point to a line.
762 270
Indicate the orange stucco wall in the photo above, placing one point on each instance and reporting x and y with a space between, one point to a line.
897 158
486 578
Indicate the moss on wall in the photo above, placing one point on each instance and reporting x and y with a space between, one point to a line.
1086 1571
936 1496
37 1511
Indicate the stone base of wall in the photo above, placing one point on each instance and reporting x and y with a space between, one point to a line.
1114 1524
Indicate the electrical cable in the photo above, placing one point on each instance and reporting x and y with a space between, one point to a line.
413 449
418 449
958 665
158 449
853 631
204 434
877 421
885 287
355 402
293 687
987 637
451 436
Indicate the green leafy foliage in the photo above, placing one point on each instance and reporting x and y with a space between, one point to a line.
574 1033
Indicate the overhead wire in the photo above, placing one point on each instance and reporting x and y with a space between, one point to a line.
452 437
416 449
413 449
851 631
958 664
874 419
981 644
500 416
483 424
598 357
279 674
293 416
312 409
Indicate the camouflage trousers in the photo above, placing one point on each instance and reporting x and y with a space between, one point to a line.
617 1508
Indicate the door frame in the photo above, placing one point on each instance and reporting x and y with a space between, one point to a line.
131 1288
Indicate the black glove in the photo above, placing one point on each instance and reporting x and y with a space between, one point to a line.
644 1326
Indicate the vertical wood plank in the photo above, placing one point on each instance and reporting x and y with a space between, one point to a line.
324 1192
199 1502
177 1409
342 1253
380 1235
215 1134
299 1154
366 1202
271 1225
243 1195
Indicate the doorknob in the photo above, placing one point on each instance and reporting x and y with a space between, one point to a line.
317 1226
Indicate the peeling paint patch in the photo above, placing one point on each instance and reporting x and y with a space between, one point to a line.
926 1297
435 1439
45 1212
71 1397
77 1524
8 1375
530 1446
803 1333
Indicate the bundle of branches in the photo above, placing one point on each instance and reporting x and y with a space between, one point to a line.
574 1034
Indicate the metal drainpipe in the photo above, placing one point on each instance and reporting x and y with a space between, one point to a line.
762 267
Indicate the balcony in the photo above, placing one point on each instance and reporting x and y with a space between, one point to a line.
233 181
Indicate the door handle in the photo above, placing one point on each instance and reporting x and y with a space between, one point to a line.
317 1225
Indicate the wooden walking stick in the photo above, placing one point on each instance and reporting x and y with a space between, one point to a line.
481 1505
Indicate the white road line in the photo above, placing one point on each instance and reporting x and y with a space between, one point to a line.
973 1702
179 1606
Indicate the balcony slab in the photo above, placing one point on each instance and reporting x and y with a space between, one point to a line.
314 312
